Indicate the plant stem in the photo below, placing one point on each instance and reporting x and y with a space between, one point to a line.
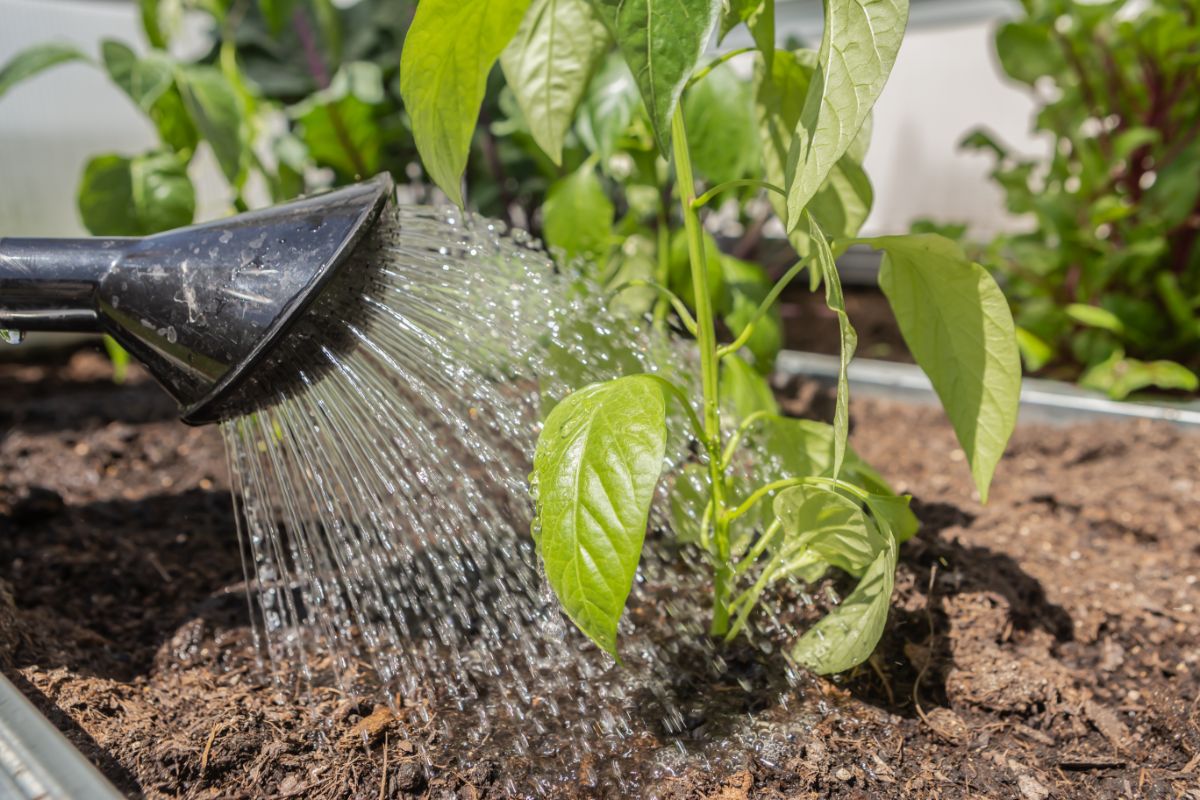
706 336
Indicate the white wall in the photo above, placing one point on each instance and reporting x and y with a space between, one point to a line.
944 84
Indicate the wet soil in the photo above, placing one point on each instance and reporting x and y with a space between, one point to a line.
1045 645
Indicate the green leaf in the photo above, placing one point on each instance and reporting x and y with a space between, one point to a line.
1095 317
160 20
718 113
448 52
138 196
1025 53
1119 376
744 389
27 63
548 65
1034 351
748 285
145 80
606 111
339 125
833 526
958 327
213 105
847 636
802 447
594 471
276 12
858 48
634 261
150 83
577 217
759 16
824 263
662 41
843 202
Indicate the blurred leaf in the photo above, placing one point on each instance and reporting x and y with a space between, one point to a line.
137 196
119 357
276 13
448 53
635 260
611 102
1119 377
1095 317
338 125
744 389
748 285
160 20
1026 54
846 82
1034 352
577 217
213 105
145 80
27 63
548 65
718 113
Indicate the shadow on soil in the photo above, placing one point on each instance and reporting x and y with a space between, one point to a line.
139 571
941 567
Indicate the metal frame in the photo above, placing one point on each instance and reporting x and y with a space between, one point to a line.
1042 401
37 762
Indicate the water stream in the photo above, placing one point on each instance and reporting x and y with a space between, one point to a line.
384 521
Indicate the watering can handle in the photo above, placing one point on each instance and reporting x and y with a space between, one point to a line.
50 284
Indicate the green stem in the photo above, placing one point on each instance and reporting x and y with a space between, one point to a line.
716 62
703 199
763 308
731 447
706 337
664 294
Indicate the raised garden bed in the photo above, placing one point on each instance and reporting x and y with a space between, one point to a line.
1047 644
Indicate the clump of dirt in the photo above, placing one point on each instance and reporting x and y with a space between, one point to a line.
1044 645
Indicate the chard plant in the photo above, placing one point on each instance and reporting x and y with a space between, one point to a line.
600 454
1106 285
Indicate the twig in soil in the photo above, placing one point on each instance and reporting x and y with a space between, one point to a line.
883 678
212 735
1080 765
383 772
916 690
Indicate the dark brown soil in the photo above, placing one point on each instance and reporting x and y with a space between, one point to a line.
1046 645
810 326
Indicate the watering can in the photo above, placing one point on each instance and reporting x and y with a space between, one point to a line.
202 307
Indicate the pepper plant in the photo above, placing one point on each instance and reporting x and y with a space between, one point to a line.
600 453
1106 285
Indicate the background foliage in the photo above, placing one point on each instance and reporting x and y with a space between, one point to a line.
1106 286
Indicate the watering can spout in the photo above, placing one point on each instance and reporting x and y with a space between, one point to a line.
201 307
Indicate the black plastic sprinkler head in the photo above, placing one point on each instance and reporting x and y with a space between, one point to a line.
202 307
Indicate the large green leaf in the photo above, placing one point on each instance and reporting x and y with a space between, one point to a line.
958 327
747 286
594 471
150 83
843 202
548 65
759 16
718 113
121 196
448 52
858 48
213 104
662 41
577 216
27 63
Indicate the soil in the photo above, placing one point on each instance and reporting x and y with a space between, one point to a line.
809 325
1046 645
